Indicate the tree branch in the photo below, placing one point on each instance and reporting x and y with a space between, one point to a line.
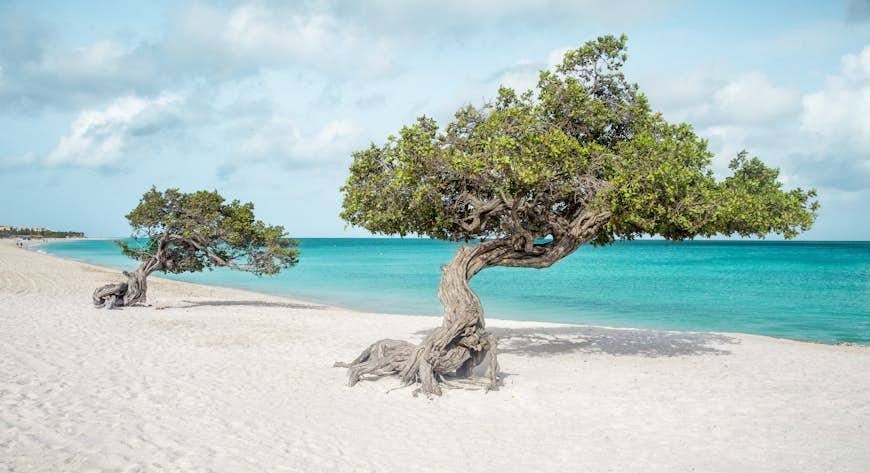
544 255
210 254
480 212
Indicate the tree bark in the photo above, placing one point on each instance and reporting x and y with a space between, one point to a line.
133 292
137 287
108 296
461 343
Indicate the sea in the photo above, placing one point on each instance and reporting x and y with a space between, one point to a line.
815 291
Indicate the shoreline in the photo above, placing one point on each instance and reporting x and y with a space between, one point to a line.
253 294
436 316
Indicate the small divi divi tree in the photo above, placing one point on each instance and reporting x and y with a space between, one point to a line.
177 232
531 177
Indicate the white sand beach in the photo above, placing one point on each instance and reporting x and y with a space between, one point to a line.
220 380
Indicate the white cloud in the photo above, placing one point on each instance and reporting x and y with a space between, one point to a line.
841 110
279 139
212 43
751 98
99 138
200 44
857 66
251 36
836 120
207 44
707 97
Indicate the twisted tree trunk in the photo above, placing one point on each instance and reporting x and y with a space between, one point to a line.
133 292
461 342
458 345
137 287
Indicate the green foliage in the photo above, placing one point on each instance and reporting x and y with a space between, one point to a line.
584 139
200 230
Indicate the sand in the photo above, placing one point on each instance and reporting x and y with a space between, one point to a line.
223 380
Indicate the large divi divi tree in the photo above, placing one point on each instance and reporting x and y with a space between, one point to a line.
531 177
177 232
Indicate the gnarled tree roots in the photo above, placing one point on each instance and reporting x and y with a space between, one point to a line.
127 293
448 352
110 295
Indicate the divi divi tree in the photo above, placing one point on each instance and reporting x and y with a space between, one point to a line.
530 177
177 232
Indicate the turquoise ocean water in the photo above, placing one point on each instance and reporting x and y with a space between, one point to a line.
816 291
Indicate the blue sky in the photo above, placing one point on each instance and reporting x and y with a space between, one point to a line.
265 101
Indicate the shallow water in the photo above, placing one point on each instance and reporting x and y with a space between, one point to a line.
816 291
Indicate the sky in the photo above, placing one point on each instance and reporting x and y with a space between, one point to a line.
266 101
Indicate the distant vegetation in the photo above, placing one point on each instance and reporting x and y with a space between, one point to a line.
8 232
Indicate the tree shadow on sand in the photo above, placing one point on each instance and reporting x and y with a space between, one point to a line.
252 303
550 341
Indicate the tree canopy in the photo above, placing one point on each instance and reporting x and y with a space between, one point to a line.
525 166
184 232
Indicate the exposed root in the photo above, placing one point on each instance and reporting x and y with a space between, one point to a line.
110 295
128 293
382 357
445 354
